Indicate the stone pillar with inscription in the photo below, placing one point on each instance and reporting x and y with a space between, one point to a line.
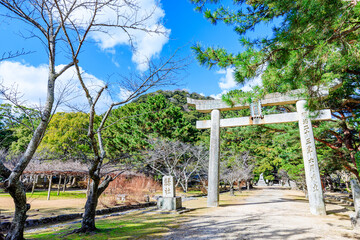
355 216
312 174
214 160
169 201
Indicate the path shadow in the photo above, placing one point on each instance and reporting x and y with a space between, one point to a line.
278 200
245 227
342 210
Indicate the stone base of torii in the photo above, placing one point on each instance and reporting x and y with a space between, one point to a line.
302 116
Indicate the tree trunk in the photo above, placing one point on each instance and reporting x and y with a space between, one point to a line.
248 185
88 221
73 181
35 178
58 190
88 187
64 186
49 190
17 192
239 185
232 189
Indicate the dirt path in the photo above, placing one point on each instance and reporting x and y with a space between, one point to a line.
268 214
43 208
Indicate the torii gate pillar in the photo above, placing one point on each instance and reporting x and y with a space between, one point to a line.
312 175
213 179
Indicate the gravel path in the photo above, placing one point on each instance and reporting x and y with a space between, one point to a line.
268 214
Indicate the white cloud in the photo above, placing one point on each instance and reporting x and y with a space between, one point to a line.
256 81
185 89
124 93
218 96
31 83
28 80
145 14
148 46
228 81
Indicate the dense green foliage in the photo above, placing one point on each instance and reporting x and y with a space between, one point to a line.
66 136
313 43
273 147
130 126
17 125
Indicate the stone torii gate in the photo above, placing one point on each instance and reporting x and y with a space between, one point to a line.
313 182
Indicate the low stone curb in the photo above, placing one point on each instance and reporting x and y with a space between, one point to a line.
350 203
4 226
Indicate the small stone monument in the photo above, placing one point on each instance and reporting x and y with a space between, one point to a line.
169 201
355 217
261 182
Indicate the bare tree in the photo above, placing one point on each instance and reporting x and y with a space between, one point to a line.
163 73
11 55
345 177
55 22
202 173
246 168
175 158
165 156
190 165
40 16
284 176
237 167
229 174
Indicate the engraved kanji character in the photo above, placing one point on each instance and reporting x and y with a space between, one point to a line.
315 187
311 161
309 149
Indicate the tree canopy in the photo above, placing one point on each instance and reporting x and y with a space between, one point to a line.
66 135
312 42
131 126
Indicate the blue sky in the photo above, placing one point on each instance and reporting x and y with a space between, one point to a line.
108 57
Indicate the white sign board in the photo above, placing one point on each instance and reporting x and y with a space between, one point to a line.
168 186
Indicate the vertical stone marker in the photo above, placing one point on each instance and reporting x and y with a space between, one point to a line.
312 174
168 186
214 163
169 201
356 197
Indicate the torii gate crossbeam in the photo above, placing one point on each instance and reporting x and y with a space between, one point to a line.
302 116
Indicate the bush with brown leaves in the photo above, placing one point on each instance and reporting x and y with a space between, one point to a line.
127 189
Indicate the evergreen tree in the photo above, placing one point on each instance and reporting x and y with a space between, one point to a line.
66 136
131 125
313 43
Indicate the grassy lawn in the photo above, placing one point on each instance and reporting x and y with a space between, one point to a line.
53 195
192 193
139 225
131 226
